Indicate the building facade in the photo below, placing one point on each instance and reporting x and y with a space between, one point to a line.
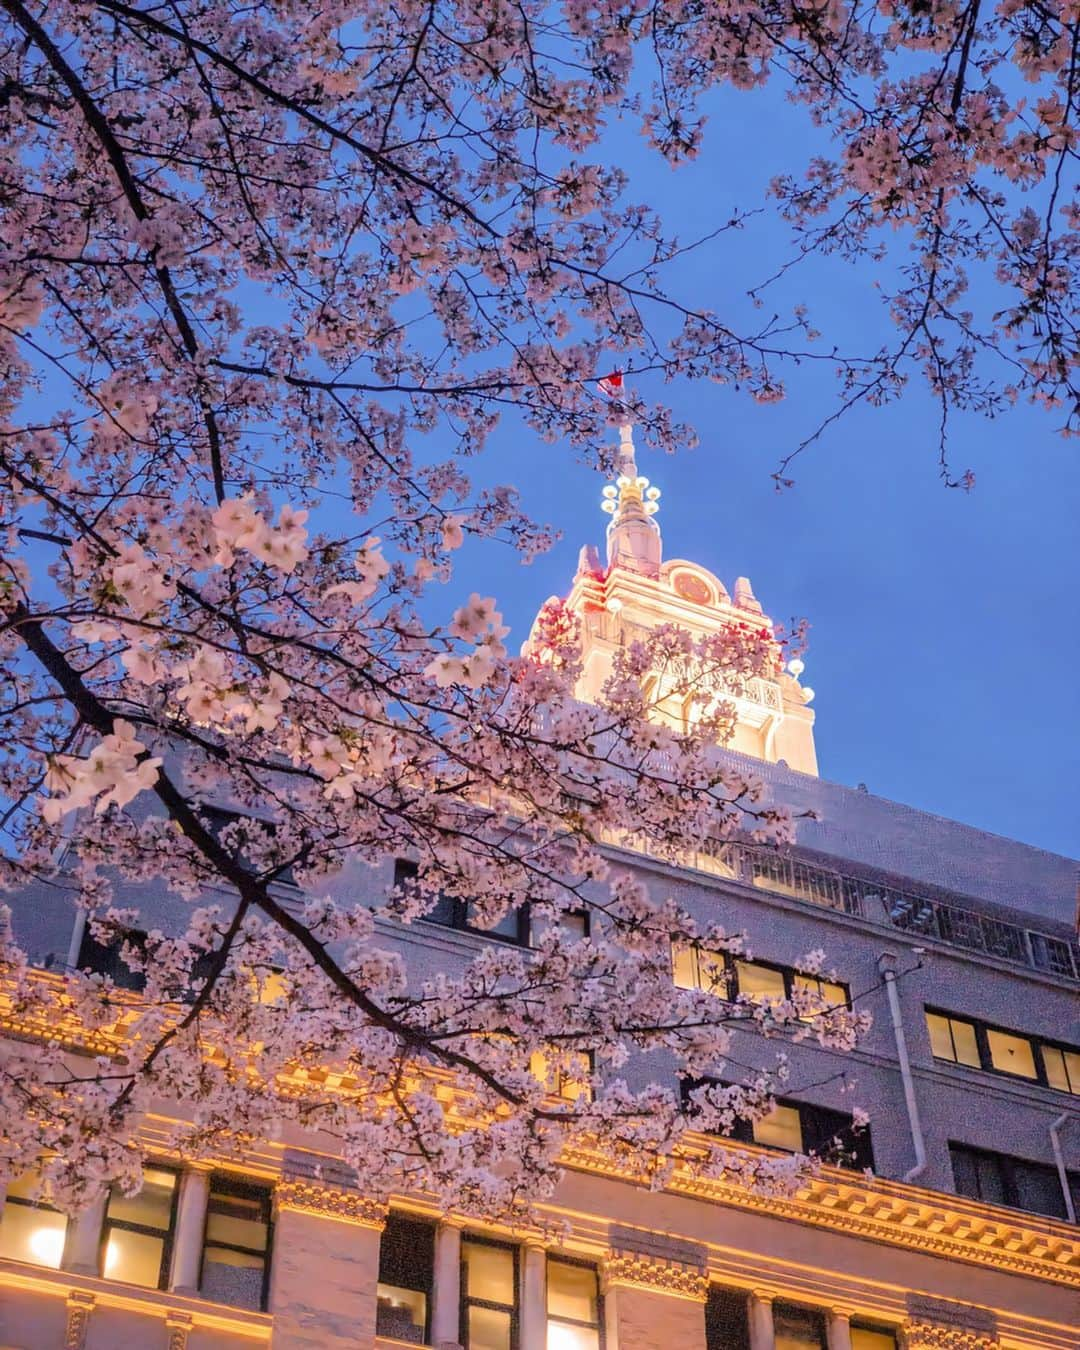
951 1224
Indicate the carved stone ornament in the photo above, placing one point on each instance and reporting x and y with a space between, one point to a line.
178 1324
641 1272
79 1308
936 1336
328 1202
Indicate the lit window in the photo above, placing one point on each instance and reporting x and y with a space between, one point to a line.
406 1275
954 1039
1011 1054
833 996
236 1248
30 1229
1062 1068
137 1233
781 1128
573 1306
489 1305
872 1338
568 1075
760 982
695 967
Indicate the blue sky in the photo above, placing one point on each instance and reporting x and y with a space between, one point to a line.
945 638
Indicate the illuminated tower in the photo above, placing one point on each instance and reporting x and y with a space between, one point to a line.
637 591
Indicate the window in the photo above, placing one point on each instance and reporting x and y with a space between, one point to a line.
406 1275
952 1038
489 1282
798 1328
106 959
799 1127
965 1041
570 1080
573 1306
865 1336
1000 1179
136 1237
727 1322
720 973
30 1229
451 912
236 1250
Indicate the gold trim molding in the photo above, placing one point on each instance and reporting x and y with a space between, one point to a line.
624 1269
328 1202
935 1336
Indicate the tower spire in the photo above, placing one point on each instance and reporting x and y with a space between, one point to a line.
633 536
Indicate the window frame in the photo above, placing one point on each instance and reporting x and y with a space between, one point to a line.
405 869
982 1030
729 963
467 1301
1006 1165
167 1235
39 1204
429 1290
598 1325
243 1189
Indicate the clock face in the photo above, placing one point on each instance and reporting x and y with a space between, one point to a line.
691 587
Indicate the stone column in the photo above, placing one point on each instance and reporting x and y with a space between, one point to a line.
653 1304
759 1310
446 1291
325 1266
190 1230
534 1297
838 1329
82 1246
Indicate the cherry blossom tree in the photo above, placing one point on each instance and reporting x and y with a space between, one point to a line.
269 276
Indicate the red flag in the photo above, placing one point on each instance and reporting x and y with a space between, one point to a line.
612 384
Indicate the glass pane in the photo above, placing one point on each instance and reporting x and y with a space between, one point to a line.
31 1233
684 966
488 1329
134 1258
563 1337
941 1044
1013 1054
235 1278
967 1048
798 1328
237 1219
781 1128
1038 1189
490 1272
571 1291
576 923
871 1338
759 981
1072 1068
1054 1061
401 1314
151 1207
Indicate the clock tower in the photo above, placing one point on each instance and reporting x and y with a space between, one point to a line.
637 591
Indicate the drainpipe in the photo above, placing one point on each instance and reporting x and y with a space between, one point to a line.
887 967
1059 1158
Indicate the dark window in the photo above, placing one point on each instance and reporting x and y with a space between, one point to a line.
489 1295
798 1328
406 1274
1000 1179
799 1127
136 1237
105 959
236 1250
727 1321
452 912
574 1306
962 1040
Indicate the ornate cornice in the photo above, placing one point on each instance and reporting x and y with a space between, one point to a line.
659 1277
328 1202
934 1336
